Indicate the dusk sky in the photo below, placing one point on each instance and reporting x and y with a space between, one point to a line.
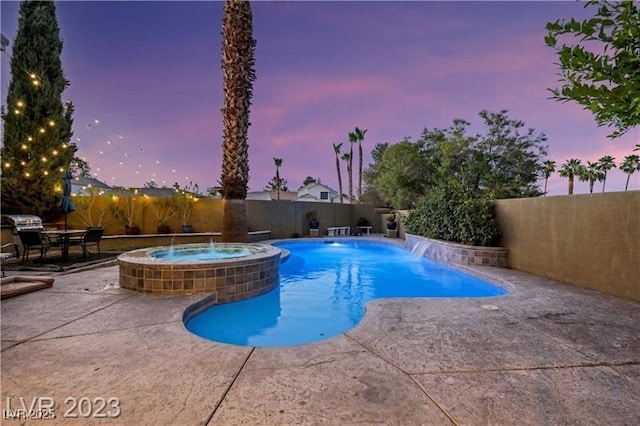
150 73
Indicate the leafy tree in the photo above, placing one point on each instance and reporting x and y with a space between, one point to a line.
571 169
403 174
278 181
606 163
504 162
602 74
508 160
37 124
630 165
549 168
371 174
336 150
308 180
238 46
449 153
150 184
277 184
80 168
591 173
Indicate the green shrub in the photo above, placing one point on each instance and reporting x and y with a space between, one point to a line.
450 214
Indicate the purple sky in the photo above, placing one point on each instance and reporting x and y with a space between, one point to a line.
150 72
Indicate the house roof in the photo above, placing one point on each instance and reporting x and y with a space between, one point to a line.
271 195
87 181
259 195
155 192
83 185
305 197
312 185
284 195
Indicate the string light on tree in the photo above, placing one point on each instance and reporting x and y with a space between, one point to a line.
38 121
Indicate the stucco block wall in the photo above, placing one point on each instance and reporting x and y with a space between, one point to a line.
590 240
283 218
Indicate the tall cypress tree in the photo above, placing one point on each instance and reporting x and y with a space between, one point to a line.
37 124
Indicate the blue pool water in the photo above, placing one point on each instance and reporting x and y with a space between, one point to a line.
324 287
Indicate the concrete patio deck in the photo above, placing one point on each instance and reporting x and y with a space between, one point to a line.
545 354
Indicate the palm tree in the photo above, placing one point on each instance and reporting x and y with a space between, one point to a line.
336 149
278 163
353 138
606 164
629 165
347 159
547 171
238 46
570 169
359 136
591 173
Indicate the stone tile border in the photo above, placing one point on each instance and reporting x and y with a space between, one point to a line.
227 280
454 253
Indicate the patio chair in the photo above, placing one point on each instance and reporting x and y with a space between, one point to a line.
91 237
5 255
33 240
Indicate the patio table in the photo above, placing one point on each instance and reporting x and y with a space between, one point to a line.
64 238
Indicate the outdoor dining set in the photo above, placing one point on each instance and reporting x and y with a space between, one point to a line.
30 235
43 241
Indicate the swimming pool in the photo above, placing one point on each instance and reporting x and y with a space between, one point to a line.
324 287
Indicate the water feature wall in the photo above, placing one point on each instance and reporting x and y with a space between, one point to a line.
453 253
227 280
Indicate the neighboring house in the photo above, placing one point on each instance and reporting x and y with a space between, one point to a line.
271 195
85 186
319 192
155 192
259 195
315 192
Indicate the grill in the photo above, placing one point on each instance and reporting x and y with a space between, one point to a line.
23 222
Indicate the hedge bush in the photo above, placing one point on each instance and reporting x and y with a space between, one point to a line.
449 214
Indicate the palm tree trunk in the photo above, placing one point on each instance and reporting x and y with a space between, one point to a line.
350 171
591 182
604 181
238 74
627 184
571 185
545 186
278 183
234 222
339 177
359 171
